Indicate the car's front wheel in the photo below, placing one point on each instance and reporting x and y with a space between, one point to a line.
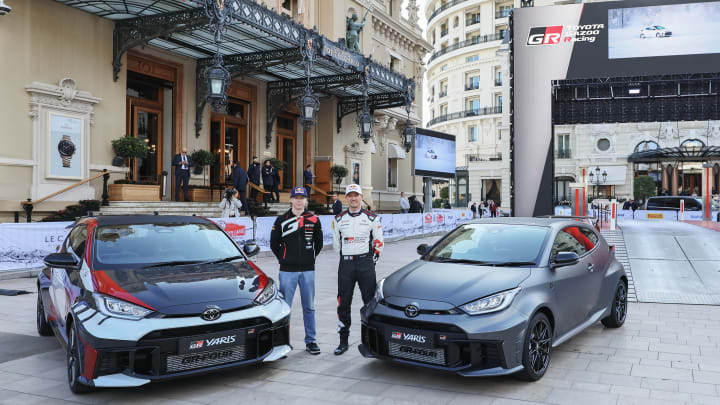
43 326
73 364
536 352
618 309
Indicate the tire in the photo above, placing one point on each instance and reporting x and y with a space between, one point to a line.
73 365
43 326
537 348
657 35
618 308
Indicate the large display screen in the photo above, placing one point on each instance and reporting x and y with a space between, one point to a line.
434 154
676 29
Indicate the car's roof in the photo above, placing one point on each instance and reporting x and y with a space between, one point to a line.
672 196
147 219
548 222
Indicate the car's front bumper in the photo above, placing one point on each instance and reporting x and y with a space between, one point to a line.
485 345
124 353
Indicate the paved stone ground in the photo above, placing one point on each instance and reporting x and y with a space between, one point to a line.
665 354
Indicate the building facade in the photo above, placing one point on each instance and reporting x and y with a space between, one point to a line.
115 71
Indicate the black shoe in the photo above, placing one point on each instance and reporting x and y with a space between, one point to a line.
312 348
342 348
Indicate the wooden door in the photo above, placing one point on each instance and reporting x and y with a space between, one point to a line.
286 153
147 125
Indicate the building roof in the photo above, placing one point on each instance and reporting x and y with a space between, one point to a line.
677 153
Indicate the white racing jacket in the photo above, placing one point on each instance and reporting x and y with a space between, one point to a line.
357 233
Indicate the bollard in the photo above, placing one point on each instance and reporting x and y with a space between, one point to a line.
613 215
681 214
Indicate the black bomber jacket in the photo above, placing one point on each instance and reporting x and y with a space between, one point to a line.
296 241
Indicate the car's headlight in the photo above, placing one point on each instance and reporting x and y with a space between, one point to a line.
379 296
492 303
120 309
267 294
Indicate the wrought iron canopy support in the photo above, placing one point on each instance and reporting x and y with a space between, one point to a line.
318 83
350 105
139 31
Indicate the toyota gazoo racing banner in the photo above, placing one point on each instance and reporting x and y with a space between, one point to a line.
592 41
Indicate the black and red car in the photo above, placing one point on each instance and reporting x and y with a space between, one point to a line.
136 299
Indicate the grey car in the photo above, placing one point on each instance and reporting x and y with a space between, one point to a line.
494 296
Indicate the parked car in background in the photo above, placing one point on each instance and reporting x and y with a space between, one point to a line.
672 203
495 296
135 299
655 31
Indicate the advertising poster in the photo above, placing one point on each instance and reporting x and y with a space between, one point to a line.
434 155
407 224
386 221
239 228
65 147
355 172
263 227
24 246
326 224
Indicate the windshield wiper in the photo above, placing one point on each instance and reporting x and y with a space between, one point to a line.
512 264
464 261
173 263
227 259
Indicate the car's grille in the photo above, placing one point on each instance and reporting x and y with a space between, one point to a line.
421 354
205 359
411 323
209 328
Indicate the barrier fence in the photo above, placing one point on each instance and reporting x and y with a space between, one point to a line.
25 245
667 215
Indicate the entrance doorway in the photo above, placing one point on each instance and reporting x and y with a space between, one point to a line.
287 149
147 125
229 141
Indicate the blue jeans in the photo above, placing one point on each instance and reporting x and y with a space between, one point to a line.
289 280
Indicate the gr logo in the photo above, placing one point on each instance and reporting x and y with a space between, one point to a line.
545 35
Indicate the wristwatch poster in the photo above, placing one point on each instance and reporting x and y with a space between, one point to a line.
66 148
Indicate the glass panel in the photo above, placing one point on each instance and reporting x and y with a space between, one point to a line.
217 149
237 110
147 130
289 158
231 154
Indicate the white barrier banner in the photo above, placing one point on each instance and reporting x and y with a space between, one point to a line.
430 221
239 228
24 246
388 228
263 227
326 224
407 224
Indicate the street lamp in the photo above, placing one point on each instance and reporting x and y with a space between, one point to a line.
409 131
308 104
597 178
365 124
218 79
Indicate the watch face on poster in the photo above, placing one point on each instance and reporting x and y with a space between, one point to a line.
65 143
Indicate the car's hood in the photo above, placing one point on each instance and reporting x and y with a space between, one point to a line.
183 290
455 284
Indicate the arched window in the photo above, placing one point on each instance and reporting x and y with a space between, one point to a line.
692 145
646 145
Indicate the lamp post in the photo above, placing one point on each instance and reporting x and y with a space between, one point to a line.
217 76
597 179
308 104
365 120
409 130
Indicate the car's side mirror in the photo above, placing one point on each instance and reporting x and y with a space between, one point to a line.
251 249
422 249
565 259
61 261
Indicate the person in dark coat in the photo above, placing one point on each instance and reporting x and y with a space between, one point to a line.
182 162
473 208
253 173
337 205
307 177
415 206
240 180
447 205
268 178
276 184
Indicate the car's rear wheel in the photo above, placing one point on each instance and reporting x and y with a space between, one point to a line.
73 364
536 352
43 326
657 34
618 309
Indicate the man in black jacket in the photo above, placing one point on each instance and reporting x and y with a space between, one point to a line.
337 204
253 173
296 239
268 177
182 162
240 179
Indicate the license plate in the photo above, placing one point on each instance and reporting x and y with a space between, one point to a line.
411 337
212 341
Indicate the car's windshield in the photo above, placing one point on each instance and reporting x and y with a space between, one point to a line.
659 27
491 244
161 243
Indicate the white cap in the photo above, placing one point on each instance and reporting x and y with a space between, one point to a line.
353 188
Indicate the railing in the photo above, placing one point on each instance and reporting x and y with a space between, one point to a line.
443 33
472 86
527 3
492 157
502 13
443 94
445 7
30 204
563 154
322 193
474 41
498 82
472 21
464 114
261 190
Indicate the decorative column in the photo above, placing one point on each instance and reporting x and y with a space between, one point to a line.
707 182
664 171
674 181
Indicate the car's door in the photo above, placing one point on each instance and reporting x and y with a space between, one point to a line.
571 283
598 255
61 278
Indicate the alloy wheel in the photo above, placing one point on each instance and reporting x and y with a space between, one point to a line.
72 361
539 346
621 303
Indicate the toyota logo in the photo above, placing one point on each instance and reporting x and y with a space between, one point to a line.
412 311
211 313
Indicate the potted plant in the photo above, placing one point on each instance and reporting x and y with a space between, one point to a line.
338 172
278 164
130 148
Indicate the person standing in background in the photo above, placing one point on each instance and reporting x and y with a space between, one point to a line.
337 204
308 177
182 163
473 208
253 173
404 203
268 178
240 180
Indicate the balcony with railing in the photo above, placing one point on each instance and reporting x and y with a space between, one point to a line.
445 7
470 42
472 86
498 82
472 21
488 157
443 33
477 112
443 94
502 13
563 154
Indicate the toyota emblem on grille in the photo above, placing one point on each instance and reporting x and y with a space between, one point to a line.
412 311
211 313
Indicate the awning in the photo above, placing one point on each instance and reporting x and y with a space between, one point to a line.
259 43
676 154
395 151
616 175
